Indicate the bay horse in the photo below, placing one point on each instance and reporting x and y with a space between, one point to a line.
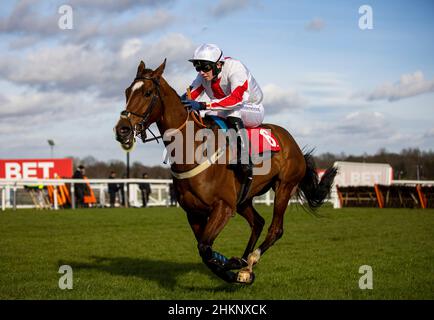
209 197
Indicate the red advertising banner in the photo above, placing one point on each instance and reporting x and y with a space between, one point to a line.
35 168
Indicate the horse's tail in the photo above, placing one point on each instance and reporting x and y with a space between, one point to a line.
311 188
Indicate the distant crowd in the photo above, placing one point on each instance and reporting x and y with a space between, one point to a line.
117 191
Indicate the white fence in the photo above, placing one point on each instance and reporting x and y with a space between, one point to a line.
14 195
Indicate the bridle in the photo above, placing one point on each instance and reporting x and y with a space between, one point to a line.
141 127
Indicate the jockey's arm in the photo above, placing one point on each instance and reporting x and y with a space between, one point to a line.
239 84
196 89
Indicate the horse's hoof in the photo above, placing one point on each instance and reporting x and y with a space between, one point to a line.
245 277
235 263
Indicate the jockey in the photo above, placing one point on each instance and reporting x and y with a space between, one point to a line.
233 92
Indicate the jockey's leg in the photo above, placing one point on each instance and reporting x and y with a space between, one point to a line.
244 162
252 115
243 156
220 215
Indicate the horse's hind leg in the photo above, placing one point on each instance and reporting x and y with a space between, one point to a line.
256 223
284 191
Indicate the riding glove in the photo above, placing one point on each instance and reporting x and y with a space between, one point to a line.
194 105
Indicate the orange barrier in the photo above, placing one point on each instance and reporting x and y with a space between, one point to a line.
61 198
422 198
64 195
387 196
89 199
380 198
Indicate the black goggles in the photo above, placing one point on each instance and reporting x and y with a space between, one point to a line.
201 66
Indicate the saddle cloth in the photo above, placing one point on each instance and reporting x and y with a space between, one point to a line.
261 139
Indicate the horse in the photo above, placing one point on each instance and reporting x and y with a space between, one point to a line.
209 196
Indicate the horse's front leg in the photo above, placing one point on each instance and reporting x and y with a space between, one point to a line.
197 223
219 217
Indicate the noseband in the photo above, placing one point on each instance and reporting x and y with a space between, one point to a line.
141 127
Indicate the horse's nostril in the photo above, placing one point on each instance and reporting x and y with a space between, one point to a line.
124 130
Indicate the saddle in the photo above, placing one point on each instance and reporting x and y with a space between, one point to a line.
261 140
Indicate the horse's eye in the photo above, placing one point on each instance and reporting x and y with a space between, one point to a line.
148 93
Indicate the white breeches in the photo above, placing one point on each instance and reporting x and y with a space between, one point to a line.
251 114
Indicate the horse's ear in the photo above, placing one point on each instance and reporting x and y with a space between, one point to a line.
159 71
140 69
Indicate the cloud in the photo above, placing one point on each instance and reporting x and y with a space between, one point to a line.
112 32
73 93
116 6
355 125
94 20
25 18
130 48
429 134
70 67
352 133
277 99
77 123
362 123
409 85
328 90
23 42
316 24
175 47
323 79
225 7
3 99
33 108
75 68
142 23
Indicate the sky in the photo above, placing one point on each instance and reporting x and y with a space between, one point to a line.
334 86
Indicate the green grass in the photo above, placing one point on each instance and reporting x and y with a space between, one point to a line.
151 254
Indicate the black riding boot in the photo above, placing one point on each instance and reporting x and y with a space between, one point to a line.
243 157
244 161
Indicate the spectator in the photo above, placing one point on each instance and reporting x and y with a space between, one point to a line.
112 189
145 187
79 188
122 191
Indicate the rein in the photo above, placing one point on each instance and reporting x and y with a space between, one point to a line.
199 122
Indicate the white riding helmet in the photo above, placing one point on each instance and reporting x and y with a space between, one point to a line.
208 52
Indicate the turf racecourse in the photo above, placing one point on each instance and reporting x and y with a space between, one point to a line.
151 254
